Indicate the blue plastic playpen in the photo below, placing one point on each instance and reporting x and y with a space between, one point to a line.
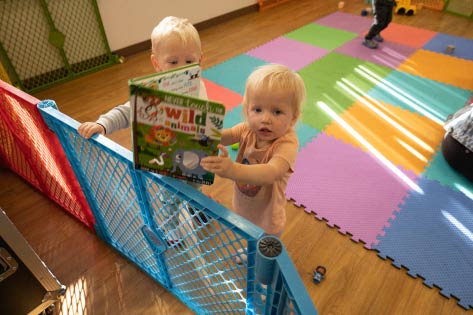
177 235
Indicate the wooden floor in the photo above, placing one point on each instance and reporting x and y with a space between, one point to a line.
100 281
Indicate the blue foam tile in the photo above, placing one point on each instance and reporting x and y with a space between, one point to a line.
233 73
463 46
233 117
305 133
429 283
432 236
427 97
397 264
232 153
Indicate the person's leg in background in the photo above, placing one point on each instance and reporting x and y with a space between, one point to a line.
387 12
382 16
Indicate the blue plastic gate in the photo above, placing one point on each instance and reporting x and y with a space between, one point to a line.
180 237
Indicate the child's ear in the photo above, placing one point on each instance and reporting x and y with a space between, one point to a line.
155 63
294 120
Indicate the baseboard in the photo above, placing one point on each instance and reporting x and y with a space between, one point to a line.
146 45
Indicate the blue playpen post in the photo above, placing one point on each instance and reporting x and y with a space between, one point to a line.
77 167
281 283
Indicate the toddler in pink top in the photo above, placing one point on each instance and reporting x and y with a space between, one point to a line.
268 146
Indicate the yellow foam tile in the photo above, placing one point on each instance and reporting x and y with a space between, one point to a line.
439 67
405 138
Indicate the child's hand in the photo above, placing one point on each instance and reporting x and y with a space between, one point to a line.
221 165
88 129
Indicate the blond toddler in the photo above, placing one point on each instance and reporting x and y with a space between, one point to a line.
268 146
175 43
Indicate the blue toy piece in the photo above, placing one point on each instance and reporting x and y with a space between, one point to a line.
366 11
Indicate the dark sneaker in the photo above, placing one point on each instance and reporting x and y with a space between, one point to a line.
378 38
370 43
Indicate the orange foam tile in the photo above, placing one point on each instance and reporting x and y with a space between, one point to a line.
405 138
223 95
407 35
439 67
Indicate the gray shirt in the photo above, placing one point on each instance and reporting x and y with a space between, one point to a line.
120 117
460 126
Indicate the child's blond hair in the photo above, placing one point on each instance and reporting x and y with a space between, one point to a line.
276 77
180 27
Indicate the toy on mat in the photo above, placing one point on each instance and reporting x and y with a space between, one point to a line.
235 146
405 7
319 274
450 49
366 11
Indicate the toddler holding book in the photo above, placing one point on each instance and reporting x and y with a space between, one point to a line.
268 147
175 43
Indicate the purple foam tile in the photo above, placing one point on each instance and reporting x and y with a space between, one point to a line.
347 22
347 187
387 54
294 54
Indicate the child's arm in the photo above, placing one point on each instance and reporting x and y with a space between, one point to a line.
226 137
257 174
115 119
89 128
231 135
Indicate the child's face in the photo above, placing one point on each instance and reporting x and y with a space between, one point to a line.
270 114
172 53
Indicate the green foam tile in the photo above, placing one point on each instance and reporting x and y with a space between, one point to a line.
323 78
321 36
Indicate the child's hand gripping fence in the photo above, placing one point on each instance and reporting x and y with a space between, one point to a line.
181 238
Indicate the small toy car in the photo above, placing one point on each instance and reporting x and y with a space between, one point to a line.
319 274
405 7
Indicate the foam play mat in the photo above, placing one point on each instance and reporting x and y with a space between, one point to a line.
369 160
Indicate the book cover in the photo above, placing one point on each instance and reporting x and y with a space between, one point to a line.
172 132
183 80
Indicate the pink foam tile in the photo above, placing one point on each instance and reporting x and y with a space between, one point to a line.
345 21
347 187
294 54
389 54
218 93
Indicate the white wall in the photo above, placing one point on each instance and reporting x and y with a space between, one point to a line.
129 22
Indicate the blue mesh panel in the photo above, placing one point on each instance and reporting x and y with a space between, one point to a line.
180 237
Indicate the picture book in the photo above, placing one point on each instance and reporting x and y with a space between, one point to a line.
183 80
173 131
